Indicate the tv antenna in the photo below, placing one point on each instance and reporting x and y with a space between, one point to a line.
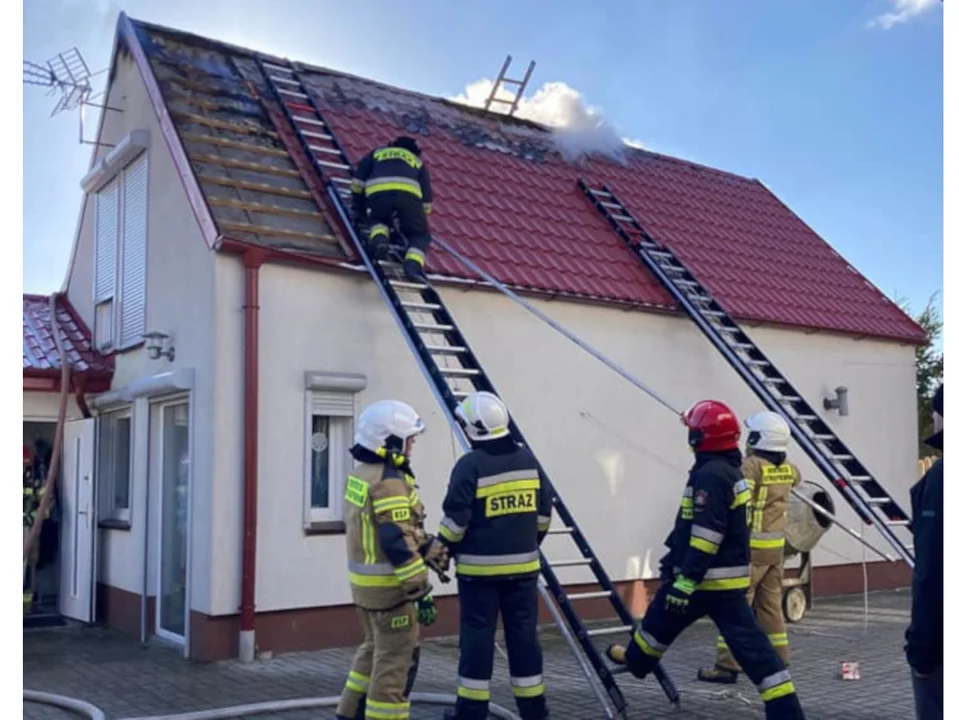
501 80
67 75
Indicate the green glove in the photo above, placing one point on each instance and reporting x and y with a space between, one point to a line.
426 610
677 596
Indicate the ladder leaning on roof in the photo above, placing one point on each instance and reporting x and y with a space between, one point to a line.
436 342
823 446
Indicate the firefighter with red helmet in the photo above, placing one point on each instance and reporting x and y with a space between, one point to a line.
706 571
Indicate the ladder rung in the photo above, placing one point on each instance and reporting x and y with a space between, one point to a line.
338 166
461 393
589 595
860 478
742 346
622 218
420 307
774 380
713 313
445 349
309 121
274 66
610 631
318 136
293 93
329 151
791 398
687 283
807 418
570 563
843 457
614 206
560 531
459 372
648 244
405 284
824 437
600 193
878 500
432 327
673 268
288 81
727 329
897 523
661 253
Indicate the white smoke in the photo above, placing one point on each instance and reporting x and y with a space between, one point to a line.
577 128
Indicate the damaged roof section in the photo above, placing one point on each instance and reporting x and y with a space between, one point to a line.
253 187
40 356
505 196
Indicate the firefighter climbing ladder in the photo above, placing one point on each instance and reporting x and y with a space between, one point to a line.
843 469
436 341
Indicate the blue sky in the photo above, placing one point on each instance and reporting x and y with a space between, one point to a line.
841 117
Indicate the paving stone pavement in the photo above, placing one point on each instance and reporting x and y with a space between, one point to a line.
126 680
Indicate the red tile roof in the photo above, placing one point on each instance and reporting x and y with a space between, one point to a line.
509 202
40 356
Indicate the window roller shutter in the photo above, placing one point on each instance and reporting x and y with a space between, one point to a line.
134 250
333 404
106 243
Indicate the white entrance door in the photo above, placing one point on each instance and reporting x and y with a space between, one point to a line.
78 521
173 534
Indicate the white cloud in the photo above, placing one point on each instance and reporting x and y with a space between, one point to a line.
903 10
577 128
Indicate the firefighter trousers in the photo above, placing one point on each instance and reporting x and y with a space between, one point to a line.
481 602
765 596
412 222
749 644
384 667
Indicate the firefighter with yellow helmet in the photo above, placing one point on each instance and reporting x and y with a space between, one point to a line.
770 479
388 556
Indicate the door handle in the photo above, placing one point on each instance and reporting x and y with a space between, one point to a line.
86 516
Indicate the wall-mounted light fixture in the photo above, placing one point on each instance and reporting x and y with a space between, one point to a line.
840 402
158 345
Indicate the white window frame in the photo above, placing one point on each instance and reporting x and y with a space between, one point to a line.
331 395
105 469
115 299
122 236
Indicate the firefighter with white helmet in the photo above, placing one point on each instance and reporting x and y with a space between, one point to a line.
388 553
770 479
496 513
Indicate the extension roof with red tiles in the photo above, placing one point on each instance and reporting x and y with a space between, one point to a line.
40 356
505 198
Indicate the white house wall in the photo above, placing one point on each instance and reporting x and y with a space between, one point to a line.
180 288
45 407
617 457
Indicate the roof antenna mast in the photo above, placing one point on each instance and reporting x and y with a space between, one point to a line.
501 80
67 74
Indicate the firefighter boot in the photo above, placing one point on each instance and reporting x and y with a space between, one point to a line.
717 674
360 712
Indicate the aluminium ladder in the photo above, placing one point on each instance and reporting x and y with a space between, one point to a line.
824 447
436 342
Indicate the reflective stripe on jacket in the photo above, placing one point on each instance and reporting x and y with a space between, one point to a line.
392 168
770 485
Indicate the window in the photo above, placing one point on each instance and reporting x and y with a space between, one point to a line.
329 434
119 292
115 464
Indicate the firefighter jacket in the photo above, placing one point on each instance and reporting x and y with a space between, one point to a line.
770 479
384 530
392 168
709 543
497 511
32 496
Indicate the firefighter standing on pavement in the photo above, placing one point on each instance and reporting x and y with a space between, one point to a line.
496 513
770 478
388 555
706 571
394 180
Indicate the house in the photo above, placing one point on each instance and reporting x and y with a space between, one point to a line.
244 337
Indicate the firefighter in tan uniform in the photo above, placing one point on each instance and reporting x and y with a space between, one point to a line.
388 555
771 479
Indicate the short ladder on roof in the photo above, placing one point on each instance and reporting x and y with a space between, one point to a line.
824 447
453 372
502 80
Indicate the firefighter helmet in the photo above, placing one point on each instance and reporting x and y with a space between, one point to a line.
408 143
388 424
767 431
713 426
483 416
